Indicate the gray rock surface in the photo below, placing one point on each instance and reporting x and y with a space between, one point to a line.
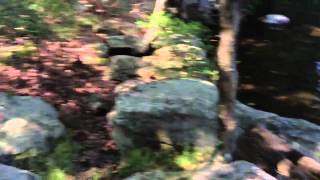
184 111
27 123
124 67
12 173
301 134
239 170
174 39
174 61
125 42
176 112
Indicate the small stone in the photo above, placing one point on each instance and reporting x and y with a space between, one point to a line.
123 67
176 112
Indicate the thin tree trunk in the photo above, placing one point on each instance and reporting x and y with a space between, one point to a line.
230 16
151 32
159 6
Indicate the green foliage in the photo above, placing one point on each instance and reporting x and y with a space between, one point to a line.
145 159
55 165
188 159
55 8
56 174
193 158
34 18
173 31
27 49
88 21
169 25
97 176
206 70
17 55
138 160
16 19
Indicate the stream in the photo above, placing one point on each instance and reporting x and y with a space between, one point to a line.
280 68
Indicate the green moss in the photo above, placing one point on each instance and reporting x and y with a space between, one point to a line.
55 165
56 174
169 25
144 159
191 159
188 40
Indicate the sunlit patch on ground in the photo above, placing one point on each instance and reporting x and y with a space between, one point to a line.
19 47
66 74
314 31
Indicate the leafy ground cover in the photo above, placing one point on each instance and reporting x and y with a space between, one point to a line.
51 49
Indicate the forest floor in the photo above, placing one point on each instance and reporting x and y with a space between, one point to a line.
68 73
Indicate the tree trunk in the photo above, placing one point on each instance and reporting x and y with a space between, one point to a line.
257 145
151 32
229 16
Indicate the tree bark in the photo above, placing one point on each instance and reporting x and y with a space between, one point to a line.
229 17
151 33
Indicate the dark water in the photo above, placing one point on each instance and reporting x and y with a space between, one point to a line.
280 69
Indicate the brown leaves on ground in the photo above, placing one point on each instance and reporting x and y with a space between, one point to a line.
56 72
67 75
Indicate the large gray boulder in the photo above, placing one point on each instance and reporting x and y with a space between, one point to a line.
27 123
239 170
12 173
183 112
173 112
299 133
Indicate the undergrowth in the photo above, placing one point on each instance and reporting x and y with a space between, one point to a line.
55 165
169 25
144 159
172 31
37 18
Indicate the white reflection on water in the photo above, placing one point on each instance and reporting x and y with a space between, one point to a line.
276 19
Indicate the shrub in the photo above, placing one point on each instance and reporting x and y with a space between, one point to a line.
169 25
52 166
35 18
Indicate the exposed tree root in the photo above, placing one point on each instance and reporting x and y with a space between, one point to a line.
272 153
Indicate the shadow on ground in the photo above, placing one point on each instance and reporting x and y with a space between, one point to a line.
277 67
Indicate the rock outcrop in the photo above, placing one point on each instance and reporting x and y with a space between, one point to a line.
174 112
300 134
27 123
175 39
167 62
173 61
124 67
124 45
12 173
234 171
183 112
